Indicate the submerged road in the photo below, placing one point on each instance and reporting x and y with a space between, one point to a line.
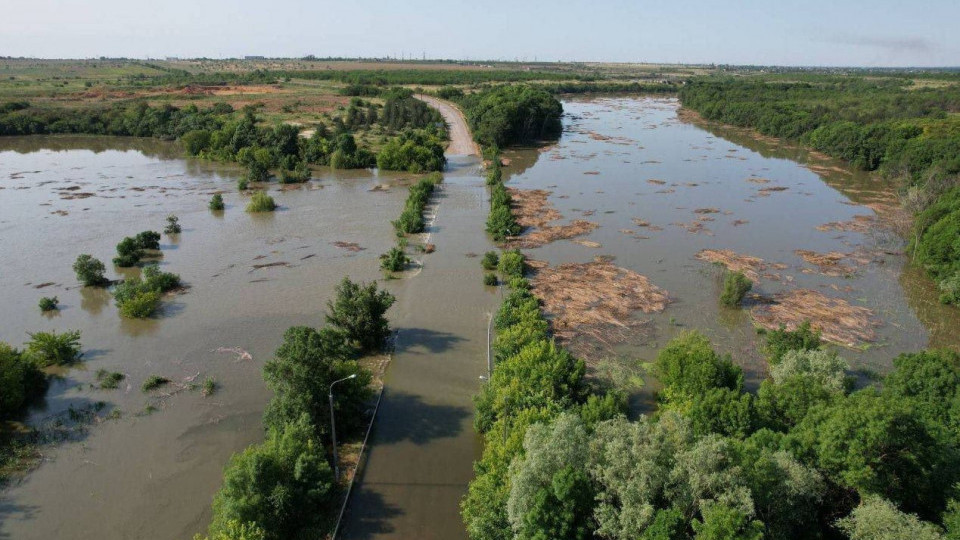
423 444
461 141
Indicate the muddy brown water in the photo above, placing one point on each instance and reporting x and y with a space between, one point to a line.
153 476
612 146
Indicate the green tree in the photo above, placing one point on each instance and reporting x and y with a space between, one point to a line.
721 522
300 374
359 310
735 287
825 367
879 519
688 367
53 349
20 380
282 486
782 340
89 271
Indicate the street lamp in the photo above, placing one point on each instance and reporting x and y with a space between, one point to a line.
333 428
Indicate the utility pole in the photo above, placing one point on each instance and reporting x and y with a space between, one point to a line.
333 428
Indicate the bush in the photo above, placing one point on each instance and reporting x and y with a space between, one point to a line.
688 367
216 202
411 219
950 289
511 264
299 174
782 340
490 279
243 184
261 202
48 304
153 382
735 287
140 298
148 240
490 260
53 349
130 249
154 279
394 260
109 380
358 310
282 487
20 380
140 305
89 271
173 225
414 151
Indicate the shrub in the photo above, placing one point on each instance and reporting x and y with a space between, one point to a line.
209 387
195 141
20 380
148 240
153 382
511 264
782 340
216 202
173 225
154 279
359 310
109 379
950 289
688 367
281 487
137 302
735 287
53 349
261 202
490 279
48 304
299 174
243 184
490 260
394 260
89 271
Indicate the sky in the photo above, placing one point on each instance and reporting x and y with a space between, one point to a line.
758 32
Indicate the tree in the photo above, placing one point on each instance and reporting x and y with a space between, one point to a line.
89 271
721 522
879 519
216 202
688 367
300 373
725 412
931 381
358 310
879 446
824 367
550 495
282 486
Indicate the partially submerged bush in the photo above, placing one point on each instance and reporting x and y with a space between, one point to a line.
20 380
780 341
48 303
297 175
216 202
490 260
140 298
736 285
153 382
173 225
261 202
53 349
89 271
130 249
394 260
490 279
109 380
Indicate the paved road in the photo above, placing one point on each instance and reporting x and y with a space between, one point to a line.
423 445
461 142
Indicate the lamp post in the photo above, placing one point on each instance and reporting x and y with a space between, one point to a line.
333 428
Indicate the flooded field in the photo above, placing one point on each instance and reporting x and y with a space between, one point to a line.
644 190
248 278
640 199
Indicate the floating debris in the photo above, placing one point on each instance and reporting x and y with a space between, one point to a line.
349 246
752 267
836 320
532 211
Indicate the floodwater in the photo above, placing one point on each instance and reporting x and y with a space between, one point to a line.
154 475
621 159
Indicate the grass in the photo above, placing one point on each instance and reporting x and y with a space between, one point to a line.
153 382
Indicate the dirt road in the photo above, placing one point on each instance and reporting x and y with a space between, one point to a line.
461 143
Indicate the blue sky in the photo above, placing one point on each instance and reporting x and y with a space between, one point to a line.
815 32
